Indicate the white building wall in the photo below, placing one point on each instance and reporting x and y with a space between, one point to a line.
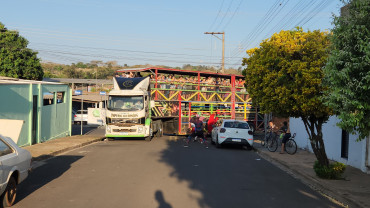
333 142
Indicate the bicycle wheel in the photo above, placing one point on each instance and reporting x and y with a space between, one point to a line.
291 147
272 144
265 140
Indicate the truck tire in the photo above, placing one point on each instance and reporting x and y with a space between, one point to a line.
160 130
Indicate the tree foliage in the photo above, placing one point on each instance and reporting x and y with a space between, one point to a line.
284 76
16 60
348 68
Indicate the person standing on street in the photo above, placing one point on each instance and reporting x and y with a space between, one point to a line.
198 131
286 135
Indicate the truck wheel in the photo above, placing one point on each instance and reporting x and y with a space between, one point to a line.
161 129
109 138
8 197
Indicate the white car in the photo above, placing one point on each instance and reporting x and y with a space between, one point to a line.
15 165
81 115
232 132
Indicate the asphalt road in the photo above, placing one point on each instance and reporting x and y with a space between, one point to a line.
164 174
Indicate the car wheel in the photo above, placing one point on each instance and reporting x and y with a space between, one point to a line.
218 145
212 142
8 197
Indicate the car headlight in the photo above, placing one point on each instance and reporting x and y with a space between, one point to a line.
140 129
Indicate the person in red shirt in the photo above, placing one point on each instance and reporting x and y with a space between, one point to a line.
198 131
212 121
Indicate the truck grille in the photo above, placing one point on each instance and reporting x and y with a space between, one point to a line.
123 124
124 130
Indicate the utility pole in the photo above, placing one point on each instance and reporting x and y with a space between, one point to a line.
223 47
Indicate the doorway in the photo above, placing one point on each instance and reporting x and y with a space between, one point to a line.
34 120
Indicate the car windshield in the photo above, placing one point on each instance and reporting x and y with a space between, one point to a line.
125 103
81 112
236 124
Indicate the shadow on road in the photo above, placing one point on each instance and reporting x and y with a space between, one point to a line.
235 177
76 129
45 174
161 201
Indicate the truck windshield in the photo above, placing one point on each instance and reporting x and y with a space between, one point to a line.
125 103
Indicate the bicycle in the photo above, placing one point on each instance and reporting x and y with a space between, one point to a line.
290 145
270 135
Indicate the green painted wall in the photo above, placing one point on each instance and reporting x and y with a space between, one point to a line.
54 120
14 104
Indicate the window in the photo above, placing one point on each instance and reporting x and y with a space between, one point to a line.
48 98
243 126
236 124
4 148
125 103
60 97
228 124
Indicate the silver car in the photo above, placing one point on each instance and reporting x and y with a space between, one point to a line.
15 165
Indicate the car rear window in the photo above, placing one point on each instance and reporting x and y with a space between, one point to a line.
236 124
229 125
242 126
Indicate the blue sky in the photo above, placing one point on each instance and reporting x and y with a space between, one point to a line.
157 32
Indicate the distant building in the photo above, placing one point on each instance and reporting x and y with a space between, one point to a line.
45 108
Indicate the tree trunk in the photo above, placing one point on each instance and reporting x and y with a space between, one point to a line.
313 127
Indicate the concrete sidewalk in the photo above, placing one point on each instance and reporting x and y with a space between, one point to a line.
54 147
353 191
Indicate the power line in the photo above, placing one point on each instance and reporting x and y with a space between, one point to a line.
218 14
122 57
256 27
222 20
130 51
300 16
275 9
232 17
319 9
287 18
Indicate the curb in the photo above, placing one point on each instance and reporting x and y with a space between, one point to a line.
53 154
313 183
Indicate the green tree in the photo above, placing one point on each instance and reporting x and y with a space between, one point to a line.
16 60
284 76
347 72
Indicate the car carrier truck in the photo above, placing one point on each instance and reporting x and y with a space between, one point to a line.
128 111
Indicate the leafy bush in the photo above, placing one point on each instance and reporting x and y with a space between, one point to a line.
334 171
